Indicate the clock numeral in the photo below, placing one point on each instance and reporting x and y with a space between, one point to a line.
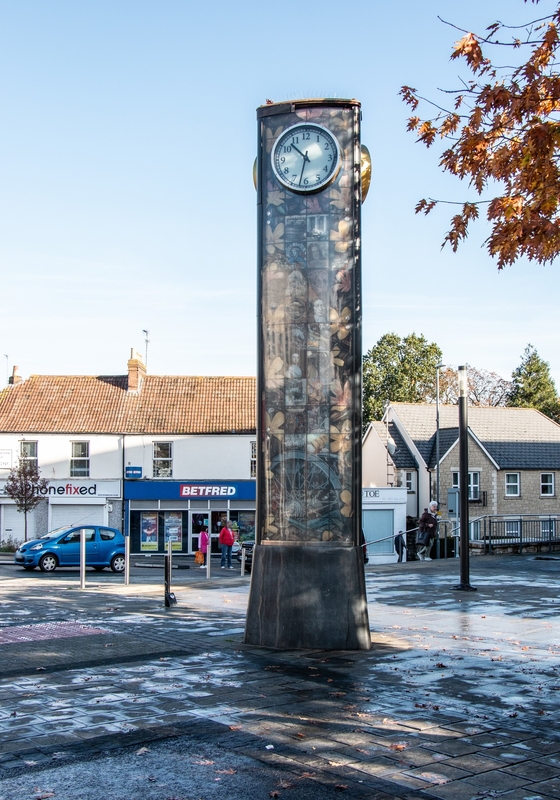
295 139
286 170
282 159
326 169
306 181
306 135
326 145
287 149
330 157
317 177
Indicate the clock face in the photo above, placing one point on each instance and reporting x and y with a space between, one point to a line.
306 158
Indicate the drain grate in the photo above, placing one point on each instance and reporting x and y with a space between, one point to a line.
41 631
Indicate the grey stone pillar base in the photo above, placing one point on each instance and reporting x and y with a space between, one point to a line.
308 597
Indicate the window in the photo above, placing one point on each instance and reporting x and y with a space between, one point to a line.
548 528
512 527
253 459
408 481
512 484
474 484
163 459
547 483
106 534
28 452
79 463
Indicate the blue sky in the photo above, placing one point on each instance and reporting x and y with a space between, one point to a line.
126 200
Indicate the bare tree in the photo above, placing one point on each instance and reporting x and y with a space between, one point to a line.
485 388
24 486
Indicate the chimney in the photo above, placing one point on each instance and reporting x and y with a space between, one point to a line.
136 371
15 377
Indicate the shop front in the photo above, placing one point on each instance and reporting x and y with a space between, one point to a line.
157 512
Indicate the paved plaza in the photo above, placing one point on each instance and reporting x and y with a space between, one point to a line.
106 694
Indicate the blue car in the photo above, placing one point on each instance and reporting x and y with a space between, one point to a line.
61 548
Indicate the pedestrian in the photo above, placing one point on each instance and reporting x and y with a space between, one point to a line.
226 540
203 541
400 545
427 531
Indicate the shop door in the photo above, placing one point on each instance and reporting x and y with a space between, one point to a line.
72 515
13 524
379 531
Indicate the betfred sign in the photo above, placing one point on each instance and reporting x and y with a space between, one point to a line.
204 490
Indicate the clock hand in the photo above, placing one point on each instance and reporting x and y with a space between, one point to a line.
305 159
299 151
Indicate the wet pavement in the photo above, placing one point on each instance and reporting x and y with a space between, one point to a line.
458 697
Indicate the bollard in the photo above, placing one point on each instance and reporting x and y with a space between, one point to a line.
242 560
208 557
126 560
170 599
83 558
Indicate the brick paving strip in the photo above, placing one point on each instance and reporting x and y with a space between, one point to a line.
458 698
42 631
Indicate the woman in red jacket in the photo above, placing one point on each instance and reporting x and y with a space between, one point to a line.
226 539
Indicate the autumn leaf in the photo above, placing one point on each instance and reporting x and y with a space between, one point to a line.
274 238
275 373
339 198
342 236
274 424
341 438
340 323
346 500
270 137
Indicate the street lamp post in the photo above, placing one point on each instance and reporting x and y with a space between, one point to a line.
464 585
438 367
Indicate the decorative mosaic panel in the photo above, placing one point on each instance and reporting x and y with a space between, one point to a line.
310 339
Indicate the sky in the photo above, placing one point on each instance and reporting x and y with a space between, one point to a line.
127 142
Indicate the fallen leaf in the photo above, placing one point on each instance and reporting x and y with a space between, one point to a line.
235 727
226 771
398 746
204 763
142 751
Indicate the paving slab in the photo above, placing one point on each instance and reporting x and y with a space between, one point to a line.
458 696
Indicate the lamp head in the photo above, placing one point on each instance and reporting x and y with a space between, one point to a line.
463 383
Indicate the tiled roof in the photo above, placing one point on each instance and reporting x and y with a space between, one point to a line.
101 404
402 457
516 438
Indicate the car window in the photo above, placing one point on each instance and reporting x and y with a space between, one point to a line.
106 534
55 533
74 536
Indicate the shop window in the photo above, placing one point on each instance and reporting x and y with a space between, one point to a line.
163 460
28 453
512 484
253 459
547 483
79 463
474 484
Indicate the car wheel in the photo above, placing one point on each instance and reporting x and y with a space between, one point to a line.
48 563
29 568
99 569
117 563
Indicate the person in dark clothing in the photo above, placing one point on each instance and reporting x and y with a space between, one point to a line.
400 545
427 531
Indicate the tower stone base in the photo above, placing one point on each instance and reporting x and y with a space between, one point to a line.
308 597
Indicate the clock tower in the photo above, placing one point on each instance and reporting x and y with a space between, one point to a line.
308 586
